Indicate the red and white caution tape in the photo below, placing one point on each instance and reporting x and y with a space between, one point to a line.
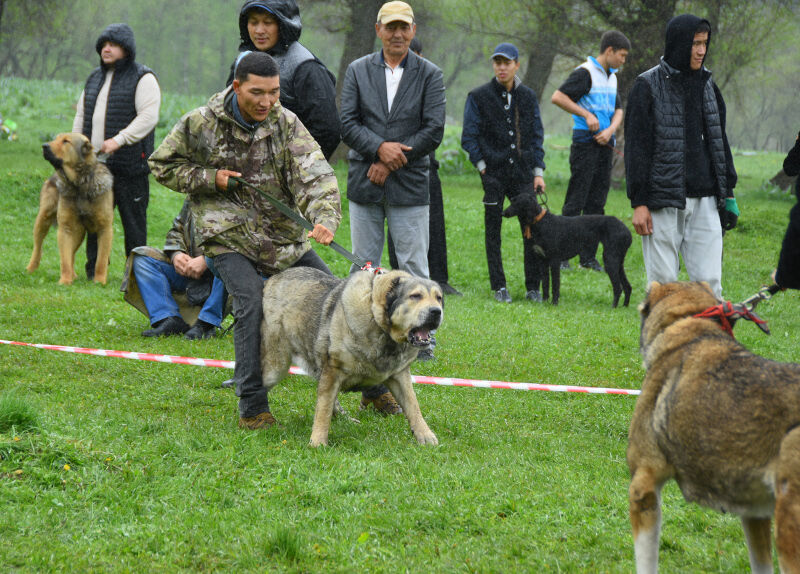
423 380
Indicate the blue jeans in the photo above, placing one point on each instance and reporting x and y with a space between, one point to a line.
157 280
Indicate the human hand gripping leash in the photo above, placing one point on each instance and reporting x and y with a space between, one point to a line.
299 219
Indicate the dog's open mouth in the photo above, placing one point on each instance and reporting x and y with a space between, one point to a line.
420 337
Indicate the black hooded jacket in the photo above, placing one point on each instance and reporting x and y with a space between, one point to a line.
308 88
675 142
788 272
121 106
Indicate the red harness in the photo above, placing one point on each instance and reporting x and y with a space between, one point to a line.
727 313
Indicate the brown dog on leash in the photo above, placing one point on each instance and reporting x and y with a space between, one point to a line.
80 197
721 421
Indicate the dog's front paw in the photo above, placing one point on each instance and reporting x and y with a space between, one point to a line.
427 437
317 440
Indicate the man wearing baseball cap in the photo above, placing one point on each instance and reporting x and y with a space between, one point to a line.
503 135
393 111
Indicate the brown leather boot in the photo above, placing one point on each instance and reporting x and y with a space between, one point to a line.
260 421
384 404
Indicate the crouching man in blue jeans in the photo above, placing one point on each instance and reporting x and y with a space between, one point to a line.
180 267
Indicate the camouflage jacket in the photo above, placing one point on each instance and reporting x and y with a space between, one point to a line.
279 156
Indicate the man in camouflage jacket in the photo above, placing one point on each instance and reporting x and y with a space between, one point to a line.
244 131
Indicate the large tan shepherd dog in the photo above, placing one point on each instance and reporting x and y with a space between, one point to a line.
80 196
349 334
721 421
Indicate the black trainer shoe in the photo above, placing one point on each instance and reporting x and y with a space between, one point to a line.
593 264
502 295
167 327
534 295
200 330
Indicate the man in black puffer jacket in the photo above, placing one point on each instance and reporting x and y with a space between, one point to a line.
679 166
307 86
118 111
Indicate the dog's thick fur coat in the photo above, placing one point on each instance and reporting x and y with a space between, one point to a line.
349 334
559 238
721 421
80 197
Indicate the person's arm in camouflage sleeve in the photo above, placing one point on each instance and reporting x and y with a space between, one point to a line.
312 181
176 163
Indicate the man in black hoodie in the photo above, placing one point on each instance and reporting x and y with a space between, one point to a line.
679 167
307 86
787 275
118 111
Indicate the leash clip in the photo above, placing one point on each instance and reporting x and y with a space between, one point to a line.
371 269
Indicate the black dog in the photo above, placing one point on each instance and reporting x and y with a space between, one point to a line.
557 238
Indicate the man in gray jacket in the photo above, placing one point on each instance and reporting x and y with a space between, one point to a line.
393 111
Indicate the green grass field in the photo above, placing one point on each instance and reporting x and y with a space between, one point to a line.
111 465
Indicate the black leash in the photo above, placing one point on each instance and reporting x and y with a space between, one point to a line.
299 219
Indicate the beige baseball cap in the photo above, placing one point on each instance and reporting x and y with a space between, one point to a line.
396 11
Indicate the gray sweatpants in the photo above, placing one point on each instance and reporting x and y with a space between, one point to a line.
695 233
408 226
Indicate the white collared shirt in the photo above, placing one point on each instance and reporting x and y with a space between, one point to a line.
392 82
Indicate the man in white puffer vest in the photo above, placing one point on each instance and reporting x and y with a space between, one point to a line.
590 95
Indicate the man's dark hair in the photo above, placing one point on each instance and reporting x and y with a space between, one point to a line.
256 63
614 40
703 27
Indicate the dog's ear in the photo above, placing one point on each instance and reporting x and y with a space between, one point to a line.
511 211
385 293
644 306
83 146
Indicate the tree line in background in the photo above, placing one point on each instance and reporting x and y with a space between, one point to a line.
191 44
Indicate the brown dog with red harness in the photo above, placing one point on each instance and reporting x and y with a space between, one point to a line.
720 420
80 197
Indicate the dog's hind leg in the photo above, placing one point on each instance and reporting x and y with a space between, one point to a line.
612 268
327 389
48 207
758 534
787 504
626 285
644 497
403 392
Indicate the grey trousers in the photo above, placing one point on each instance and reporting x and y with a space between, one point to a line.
693 233
409 228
